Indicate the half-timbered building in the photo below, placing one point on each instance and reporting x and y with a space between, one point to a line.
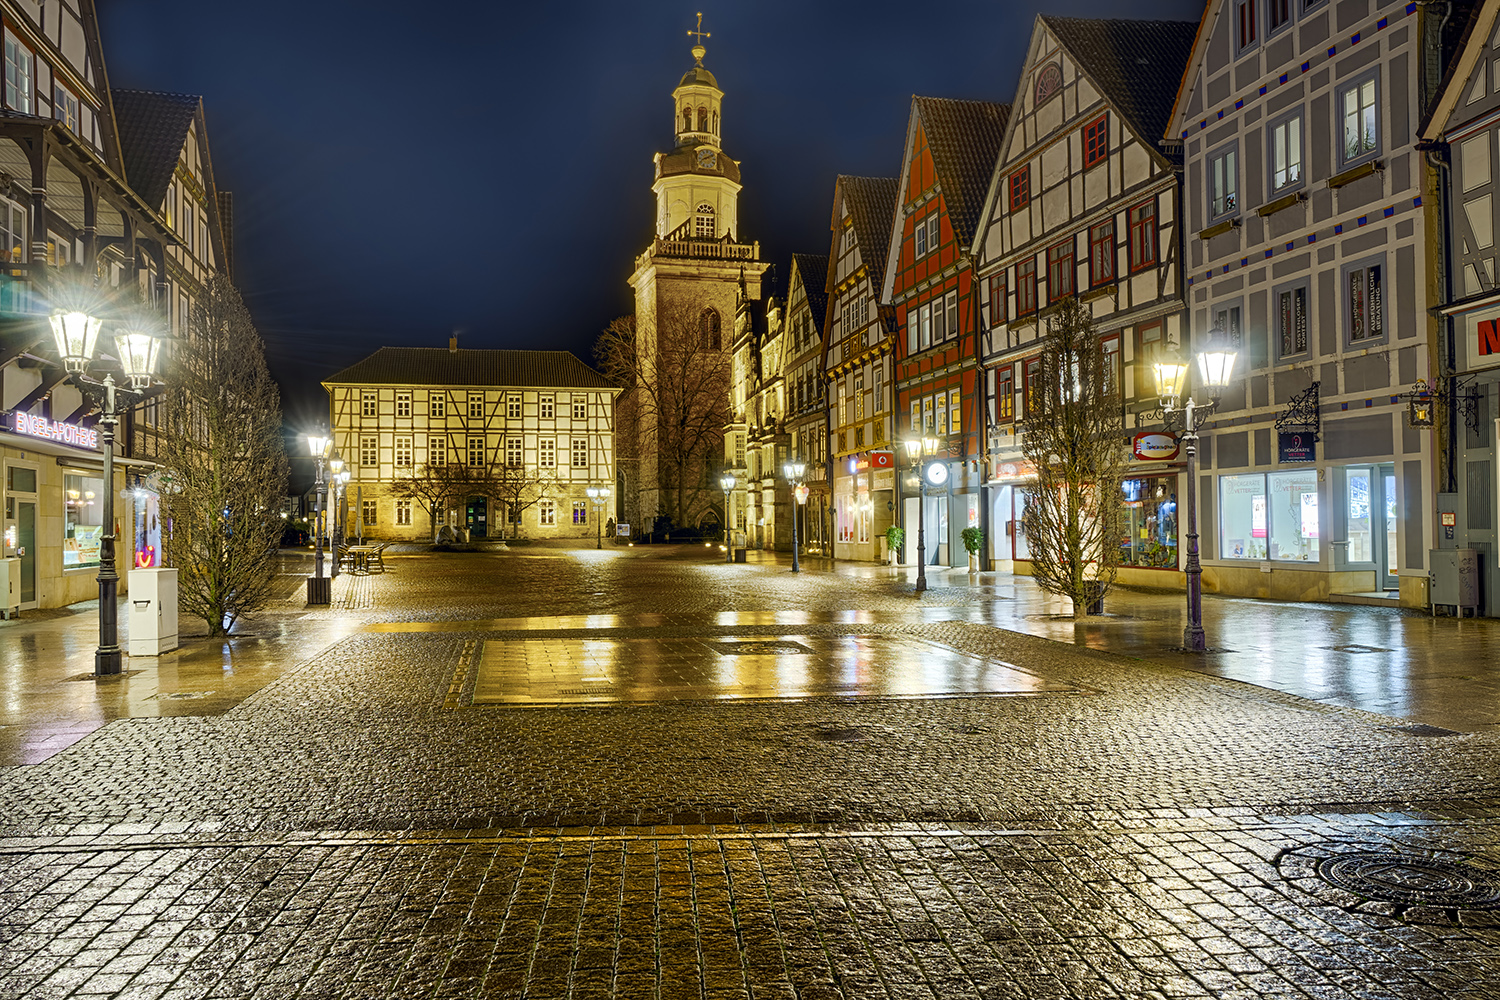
544 412
757 440
930 286
806 401
858 369
1303 198
1083 203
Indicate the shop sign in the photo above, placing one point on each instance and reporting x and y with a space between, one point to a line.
1012 471
622 530
876 460
1482 337
1154 446
56 430
1296 446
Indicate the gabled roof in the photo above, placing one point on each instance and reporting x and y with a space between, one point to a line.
439 366
814 270
1459 72
153 127
964 137
872 204
1138 65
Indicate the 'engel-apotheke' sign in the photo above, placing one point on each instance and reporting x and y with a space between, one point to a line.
56 430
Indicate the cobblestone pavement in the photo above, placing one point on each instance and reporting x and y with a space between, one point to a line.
341 814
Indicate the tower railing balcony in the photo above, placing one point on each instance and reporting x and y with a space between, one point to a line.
699 249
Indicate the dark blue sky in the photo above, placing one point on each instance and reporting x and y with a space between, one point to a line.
488 167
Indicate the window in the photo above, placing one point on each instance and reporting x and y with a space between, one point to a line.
911 330
1223 183
1278 15
436 407
548 406
955 412
515 452
703 222
1102 253
1143 236
1020 188
950 305
1286 153
859 397
547 453
403 512
1227 319
403 404
1150 522
1245 26
1060 268
437 451
1364 294
580 512
65 108
938 407
368 404
1005 394
939 321
580 453
369 451
368 513
476 451
1096 141
932 233
709 336
1357 110
739 451
83 521
546 512
1269 516
997 299
403 452
580 407
19 74
1113 366
1026 287
512 406
476 405
13 233
1291 321
920 238
924 318
1031 371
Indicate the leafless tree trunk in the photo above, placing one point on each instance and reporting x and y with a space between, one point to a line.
434 487
1074 438
516 486
227 463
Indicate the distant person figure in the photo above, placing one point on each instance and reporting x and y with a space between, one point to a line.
609 527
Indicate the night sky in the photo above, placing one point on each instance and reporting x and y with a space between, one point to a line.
487 169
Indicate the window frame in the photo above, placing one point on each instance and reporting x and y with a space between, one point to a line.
1095 133
1229 150
546 453
919 245
514 406
403 513
515 446
369 403
1030 370
1294 115
1382 335
1019 185
1099 239
580 512
437 406
1135 261
1245 40
369 444
404 447
1273 30
546 512
1063 264
580 406
579 447
1278 334
1005 393
546 407
403 398
997 294
1355 83
437 450
483 451
1026 298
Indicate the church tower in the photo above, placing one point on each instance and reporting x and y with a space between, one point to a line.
687 286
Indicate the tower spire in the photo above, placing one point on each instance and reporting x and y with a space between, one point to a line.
698 50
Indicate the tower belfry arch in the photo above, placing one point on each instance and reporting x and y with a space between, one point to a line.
691 270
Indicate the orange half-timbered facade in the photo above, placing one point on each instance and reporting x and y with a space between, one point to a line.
1084 202
930 287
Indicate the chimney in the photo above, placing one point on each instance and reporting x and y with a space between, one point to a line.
226 228
453 344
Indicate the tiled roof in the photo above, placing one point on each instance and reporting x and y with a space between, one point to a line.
964 137
872 206
440 366
153 127
1137 64
814 270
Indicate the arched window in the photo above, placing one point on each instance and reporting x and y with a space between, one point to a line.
708 331
687 119
702 119
703 222
715 118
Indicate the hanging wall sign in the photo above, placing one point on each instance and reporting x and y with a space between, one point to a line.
1154 446
1296 446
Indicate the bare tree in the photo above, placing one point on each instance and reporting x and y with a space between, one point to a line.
434 487
227 463
517 487
1074 438
679 374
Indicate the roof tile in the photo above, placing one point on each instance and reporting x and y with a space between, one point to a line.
153 127
439 366
964 137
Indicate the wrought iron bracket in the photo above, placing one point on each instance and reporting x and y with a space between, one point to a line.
1465 399
1302 413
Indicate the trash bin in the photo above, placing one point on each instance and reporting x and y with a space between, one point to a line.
1093 593
153 611
741 543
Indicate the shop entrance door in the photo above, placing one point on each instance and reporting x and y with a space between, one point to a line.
476 517
1372 520
26 548
1389 558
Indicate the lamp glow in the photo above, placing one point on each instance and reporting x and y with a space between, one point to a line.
76 334
316 445
1216 362
1171 373
139 350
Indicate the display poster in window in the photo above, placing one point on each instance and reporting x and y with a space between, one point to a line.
1296 446
1309 515
1258 516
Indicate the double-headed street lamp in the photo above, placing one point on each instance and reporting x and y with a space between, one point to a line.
598 496
1215 366
726 483
336 479
919 449
795 470
319 591
138 346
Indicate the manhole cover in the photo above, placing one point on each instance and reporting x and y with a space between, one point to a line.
1357 648
760 647
181 695
1374 878
839 735
1423 729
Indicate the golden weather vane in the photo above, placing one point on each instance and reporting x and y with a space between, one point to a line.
700 32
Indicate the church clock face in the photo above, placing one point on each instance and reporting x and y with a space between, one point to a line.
708 158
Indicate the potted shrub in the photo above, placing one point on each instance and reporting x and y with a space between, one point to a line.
973 542
894 538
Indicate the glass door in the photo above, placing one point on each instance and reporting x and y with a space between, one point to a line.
26 549
1389 561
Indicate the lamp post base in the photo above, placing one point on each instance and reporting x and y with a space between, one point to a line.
108 662
319 590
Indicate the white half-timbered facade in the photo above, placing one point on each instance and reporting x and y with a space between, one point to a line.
404 408
1084 202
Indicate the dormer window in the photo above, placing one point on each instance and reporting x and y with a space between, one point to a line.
703 221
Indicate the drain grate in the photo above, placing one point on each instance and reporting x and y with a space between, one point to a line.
830 735
1355 647
1423 729
1423 885
760 647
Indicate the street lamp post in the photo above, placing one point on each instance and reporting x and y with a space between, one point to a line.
1215 366
918 449
598 495
726 483
795 470
77 333
318 591
335 485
